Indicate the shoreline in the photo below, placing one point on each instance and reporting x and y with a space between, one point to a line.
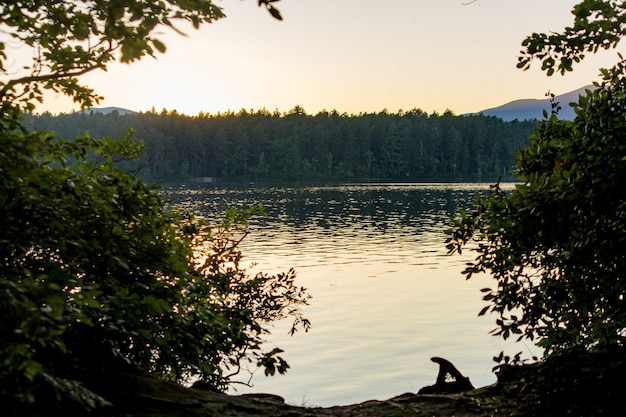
136 396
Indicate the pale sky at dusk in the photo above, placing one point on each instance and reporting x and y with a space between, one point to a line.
350 55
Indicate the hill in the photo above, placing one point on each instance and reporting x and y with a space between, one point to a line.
527 109
108 110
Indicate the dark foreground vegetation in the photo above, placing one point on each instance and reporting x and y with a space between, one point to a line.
262 145
577 384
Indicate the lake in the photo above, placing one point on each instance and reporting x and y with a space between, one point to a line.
386 296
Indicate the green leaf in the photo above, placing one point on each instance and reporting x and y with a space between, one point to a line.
160 46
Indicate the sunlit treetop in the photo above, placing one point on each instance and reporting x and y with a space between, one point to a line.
67 39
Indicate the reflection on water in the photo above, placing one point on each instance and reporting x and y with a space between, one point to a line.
386 297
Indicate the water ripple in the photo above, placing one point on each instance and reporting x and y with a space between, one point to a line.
386 295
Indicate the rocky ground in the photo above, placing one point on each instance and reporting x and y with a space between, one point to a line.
574 385
144 397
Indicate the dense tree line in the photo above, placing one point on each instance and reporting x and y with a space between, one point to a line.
263 145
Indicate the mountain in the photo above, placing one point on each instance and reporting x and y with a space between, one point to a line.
107 110
527 109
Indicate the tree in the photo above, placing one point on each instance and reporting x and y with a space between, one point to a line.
70 38
98 274
554 243
598 24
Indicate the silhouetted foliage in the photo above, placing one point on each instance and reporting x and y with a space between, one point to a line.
98 276
554 245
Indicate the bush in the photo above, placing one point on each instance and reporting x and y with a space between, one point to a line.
98 276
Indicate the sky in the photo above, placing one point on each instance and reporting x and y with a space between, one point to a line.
353 56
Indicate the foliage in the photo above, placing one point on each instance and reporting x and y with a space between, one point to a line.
553 244
259 145
70 38
575 383
598 24
97 274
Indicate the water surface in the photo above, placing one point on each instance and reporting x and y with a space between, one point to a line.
386 296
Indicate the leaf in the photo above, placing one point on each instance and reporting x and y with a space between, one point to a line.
120 261
274 12
160 46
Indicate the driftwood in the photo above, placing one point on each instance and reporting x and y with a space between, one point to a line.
456 383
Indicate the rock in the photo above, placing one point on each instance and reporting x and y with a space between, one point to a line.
458 382
270 397
136 396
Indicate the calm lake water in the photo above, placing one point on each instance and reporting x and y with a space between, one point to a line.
386 296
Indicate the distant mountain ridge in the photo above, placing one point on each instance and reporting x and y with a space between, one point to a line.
108 110
526 109
523 109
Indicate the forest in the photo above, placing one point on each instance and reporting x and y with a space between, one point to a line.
328 146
